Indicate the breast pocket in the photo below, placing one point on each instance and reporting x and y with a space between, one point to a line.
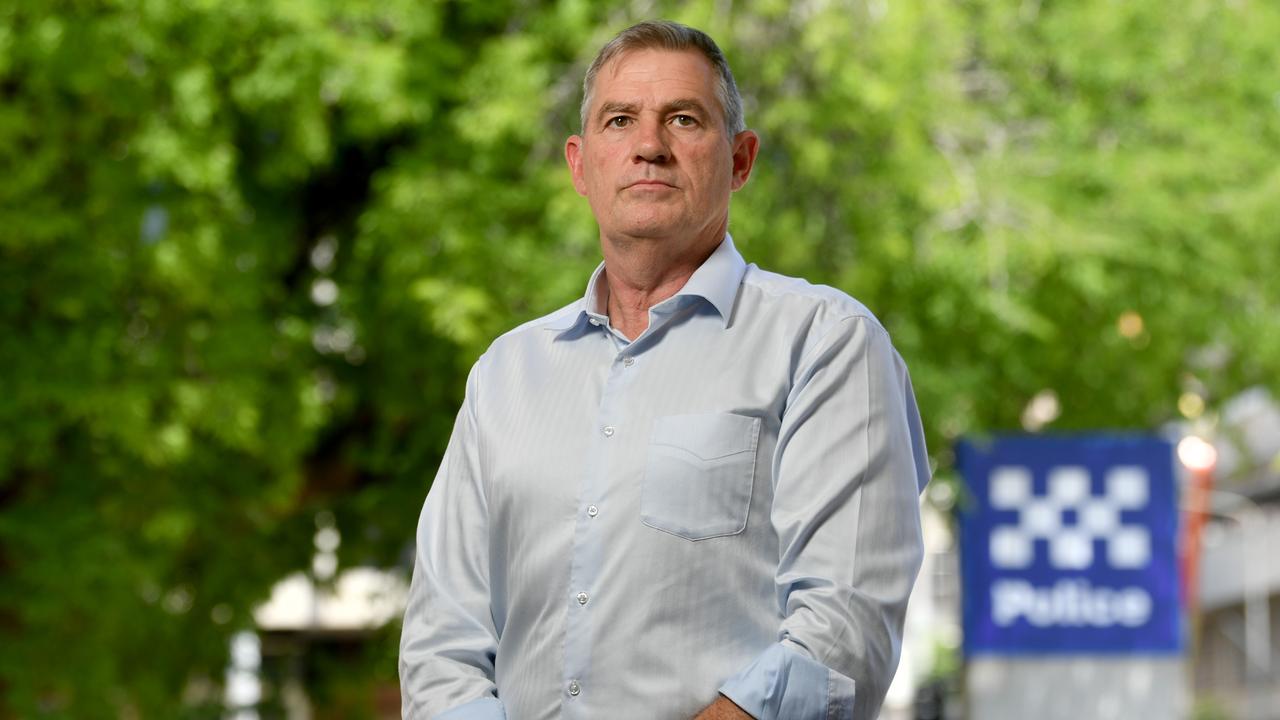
698 474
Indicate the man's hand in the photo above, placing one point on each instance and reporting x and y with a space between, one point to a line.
723 709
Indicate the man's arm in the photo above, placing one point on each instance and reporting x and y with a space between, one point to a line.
449 643
848 469
723 709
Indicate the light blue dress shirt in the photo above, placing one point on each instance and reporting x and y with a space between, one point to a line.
727 504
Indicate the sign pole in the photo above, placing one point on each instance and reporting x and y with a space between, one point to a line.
1199 457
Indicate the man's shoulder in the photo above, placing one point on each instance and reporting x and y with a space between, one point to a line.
820 304
539 329
559 319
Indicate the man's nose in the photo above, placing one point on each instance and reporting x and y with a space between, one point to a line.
651 143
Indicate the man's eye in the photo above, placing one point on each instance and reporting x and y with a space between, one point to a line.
618 122
684 120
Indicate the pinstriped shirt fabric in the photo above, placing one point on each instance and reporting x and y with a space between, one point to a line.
727 504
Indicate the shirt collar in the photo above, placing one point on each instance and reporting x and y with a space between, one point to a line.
717 281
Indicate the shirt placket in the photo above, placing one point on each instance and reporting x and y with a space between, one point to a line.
610 431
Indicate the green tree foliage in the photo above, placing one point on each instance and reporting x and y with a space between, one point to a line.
248 251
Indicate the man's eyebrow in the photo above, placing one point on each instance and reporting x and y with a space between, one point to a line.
684 104
611 108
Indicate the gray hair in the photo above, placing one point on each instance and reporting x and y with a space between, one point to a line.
667 35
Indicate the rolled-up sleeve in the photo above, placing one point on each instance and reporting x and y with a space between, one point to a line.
849 467
448 643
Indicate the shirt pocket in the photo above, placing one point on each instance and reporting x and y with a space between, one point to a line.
698 474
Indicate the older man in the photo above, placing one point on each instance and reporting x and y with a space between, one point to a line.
694 491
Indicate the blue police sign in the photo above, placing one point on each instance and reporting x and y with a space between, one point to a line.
1068 545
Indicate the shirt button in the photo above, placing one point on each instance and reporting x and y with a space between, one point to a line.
574 688
592 511
608 431
629 361
582 598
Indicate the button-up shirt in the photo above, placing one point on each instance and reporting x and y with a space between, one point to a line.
623 529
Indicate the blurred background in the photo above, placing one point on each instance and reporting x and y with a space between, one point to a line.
249 249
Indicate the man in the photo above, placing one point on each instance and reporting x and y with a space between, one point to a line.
694 491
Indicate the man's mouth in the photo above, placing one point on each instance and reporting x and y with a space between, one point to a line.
650 184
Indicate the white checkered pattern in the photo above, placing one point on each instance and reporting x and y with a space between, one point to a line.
1097 517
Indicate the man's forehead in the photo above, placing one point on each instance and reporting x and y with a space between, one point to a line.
688 64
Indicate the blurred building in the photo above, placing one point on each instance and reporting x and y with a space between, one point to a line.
1235 640
927 684
308 634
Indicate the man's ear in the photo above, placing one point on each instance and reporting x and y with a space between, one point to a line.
745 146
573 156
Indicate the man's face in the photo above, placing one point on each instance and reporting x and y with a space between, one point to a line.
654 159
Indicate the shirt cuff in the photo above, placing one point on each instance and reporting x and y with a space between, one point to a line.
783 684
485 708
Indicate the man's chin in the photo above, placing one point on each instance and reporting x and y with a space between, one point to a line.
653 234
652 225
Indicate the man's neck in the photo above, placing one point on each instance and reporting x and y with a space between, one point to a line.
643 273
